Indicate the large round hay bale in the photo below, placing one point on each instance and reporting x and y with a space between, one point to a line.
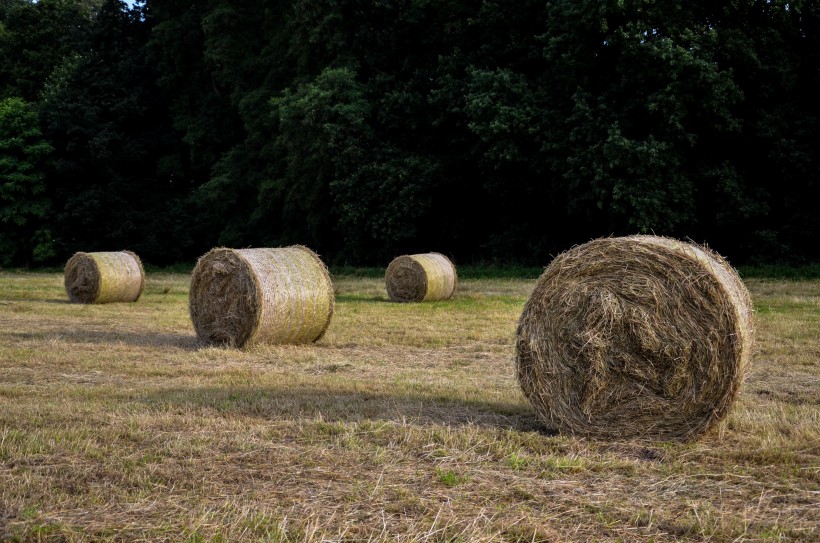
420 278
638 336
96 278
244 296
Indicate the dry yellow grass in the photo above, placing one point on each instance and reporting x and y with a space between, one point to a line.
404 423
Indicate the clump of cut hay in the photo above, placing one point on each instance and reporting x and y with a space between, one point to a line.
639 336
96 278
420 278
244 296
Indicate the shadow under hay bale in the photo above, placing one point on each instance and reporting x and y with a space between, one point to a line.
420 278
270 295
96 278
639 336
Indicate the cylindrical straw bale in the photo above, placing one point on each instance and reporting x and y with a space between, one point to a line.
635 337
420 278
96 278
240 297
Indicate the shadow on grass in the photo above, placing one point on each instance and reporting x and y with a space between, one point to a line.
360 299
66 301
309 403
112 337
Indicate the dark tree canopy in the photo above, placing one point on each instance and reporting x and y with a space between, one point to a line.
493 131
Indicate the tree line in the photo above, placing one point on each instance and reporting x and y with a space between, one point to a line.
490 130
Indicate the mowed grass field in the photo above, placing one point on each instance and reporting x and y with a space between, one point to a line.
404 423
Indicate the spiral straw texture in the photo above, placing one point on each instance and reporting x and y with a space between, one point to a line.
638 336
97 278
271 295
420 278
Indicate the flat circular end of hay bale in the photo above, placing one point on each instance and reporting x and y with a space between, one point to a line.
635 337
102 277
224 299
420 278
267 295
82 279
406 280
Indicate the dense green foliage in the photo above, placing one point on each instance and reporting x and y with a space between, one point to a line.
24 205
493 131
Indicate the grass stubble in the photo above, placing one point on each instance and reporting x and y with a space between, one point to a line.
403 423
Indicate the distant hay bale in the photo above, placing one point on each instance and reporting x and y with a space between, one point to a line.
244 296
97 278
638 336
420 278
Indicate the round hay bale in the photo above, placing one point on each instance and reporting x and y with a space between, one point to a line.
420 278
244 296
638 336
97 278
